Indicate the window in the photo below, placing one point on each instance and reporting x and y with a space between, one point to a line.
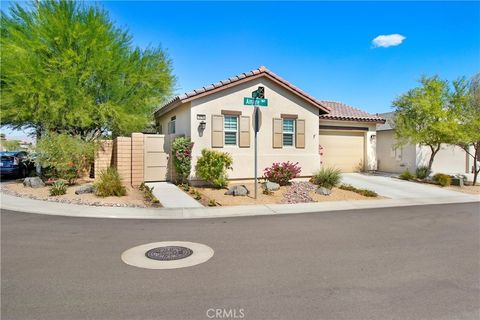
230 127
288 132
171 125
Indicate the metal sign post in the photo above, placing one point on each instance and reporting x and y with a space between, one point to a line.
257 95
256 150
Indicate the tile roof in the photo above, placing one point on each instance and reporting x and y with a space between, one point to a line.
341 111
214 87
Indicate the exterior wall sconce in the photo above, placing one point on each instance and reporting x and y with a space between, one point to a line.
202 125
373 137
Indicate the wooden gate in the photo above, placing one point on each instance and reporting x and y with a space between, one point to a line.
156 156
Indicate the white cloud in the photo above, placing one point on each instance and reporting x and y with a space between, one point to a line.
388 40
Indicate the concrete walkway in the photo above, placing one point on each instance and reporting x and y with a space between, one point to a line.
171 196
398 189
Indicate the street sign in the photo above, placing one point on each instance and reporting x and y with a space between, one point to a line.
259 93
258 102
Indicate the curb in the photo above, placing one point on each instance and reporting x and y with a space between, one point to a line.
19 204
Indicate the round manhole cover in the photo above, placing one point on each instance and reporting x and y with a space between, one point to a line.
168 253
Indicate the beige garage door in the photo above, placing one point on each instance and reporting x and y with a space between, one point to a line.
343 150
156 159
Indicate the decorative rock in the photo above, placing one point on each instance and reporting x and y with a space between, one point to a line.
271 186
323 191
33 182
87 188
237 190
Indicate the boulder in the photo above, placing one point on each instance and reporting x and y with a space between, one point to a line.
271 186
86 188
323 191
33 182
237 190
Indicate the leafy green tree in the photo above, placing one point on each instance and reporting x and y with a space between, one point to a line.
423 116
466 108
67 68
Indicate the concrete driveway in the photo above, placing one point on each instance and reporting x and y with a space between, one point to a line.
399 189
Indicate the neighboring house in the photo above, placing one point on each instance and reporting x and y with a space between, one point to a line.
450 159
295 126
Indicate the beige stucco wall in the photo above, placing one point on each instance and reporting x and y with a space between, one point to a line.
182 123
391 159
280 101
370 139
450 159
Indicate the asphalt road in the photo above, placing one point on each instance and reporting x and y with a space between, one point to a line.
395 263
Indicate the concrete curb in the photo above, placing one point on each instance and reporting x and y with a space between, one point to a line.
13 203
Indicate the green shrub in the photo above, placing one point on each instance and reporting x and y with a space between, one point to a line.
212 167
110 184
182 157
58 188
406 175
327 177
65 156
363 192
442 179
422 172
212 203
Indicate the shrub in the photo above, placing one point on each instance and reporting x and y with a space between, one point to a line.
212 203
327 177
148 193
212 167
442 179
110 184
406 175
58 188
363 192
282 173
182 157
65 156
422 172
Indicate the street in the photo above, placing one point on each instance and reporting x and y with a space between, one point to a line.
418 262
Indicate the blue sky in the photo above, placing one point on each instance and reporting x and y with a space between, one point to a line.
324 48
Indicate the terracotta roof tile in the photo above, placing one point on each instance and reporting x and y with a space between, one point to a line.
254 73
341 111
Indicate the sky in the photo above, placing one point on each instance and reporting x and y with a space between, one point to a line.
364 54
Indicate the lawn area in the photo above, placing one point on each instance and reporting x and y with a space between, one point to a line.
297 192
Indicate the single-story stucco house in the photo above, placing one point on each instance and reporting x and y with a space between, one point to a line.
294 127
450 159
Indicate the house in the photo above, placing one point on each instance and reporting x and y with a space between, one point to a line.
294 126
450 159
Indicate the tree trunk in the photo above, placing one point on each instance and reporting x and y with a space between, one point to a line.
432 156
476 170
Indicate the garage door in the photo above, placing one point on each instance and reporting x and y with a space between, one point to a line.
343 150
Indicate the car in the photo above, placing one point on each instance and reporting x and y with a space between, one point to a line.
15 163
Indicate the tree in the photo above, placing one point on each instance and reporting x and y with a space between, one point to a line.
10 145
66 68
466 108
422 116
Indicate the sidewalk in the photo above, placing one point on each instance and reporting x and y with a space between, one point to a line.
9 202
171 196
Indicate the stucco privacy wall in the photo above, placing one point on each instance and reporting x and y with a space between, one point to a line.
103 158
280 101
391 159
370 139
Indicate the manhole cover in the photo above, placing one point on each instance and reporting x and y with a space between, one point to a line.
168 253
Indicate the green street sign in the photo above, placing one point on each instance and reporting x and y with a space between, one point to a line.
259 102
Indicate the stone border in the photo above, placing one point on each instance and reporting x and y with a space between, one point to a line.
136 256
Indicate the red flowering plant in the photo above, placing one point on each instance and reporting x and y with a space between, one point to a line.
182 157
282 173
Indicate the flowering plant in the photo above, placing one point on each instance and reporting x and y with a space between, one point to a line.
282 173
182 157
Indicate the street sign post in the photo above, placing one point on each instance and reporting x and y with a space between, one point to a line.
257 99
